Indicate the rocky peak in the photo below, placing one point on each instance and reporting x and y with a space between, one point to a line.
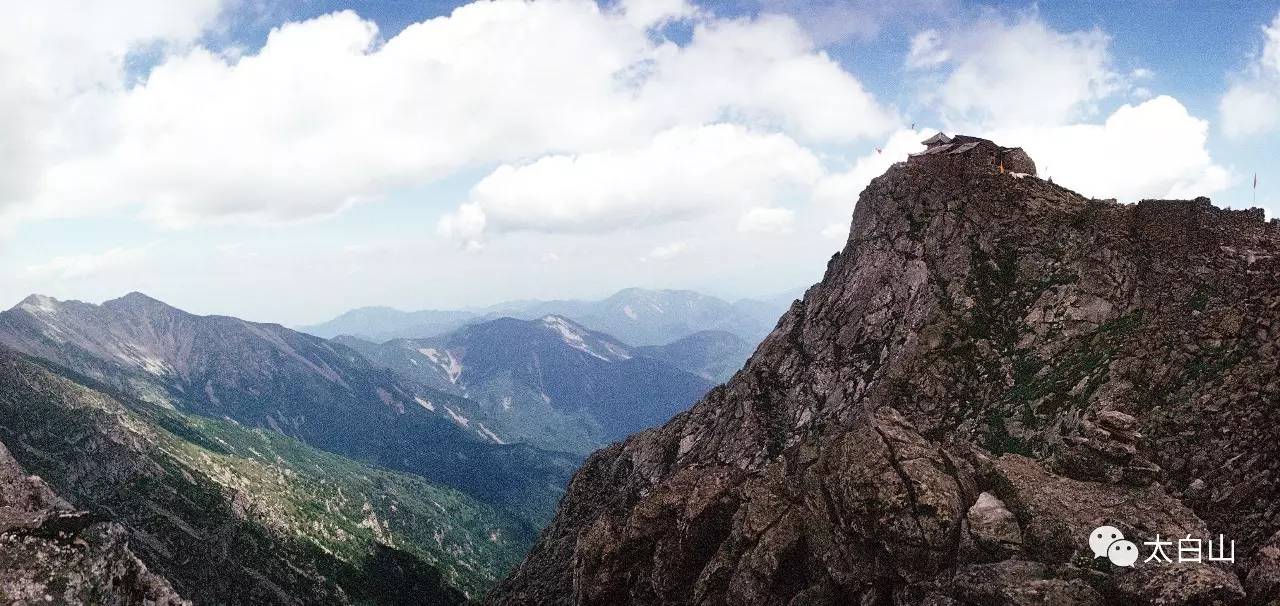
140 304
983 332
38 304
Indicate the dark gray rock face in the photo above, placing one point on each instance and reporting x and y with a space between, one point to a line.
52 553
991 368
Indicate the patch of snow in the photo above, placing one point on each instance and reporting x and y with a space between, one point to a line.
415 362
631 313
425 403
484 431
618 352
457 418
449 364
506 402
578 341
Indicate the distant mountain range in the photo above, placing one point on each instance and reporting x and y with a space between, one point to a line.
329 471
265 375
634 315
379 324
550 382
224 512
711 354
251 463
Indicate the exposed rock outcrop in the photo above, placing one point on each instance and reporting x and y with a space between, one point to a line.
52 553
990 369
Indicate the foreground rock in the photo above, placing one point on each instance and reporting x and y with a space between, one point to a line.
51 553
992 368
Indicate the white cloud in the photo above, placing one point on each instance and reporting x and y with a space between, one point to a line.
841 189
327 115
1025 84
927 50
648 13
668 251
767 221
1152 150
84 265
993 72
61 62
1251 106
467 223
682 173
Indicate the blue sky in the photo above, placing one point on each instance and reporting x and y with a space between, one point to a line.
285 160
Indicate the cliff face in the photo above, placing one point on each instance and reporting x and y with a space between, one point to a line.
50 552
991 368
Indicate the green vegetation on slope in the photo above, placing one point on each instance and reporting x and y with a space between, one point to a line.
249 514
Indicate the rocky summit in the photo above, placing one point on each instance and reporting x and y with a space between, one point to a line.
993 367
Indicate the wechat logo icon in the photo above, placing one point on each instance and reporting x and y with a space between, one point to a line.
1108 542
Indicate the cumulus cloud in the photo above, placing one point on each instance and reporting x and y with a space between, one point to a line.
1251 106
327 114
1152 150
767 221
1023 83
681 173
61 63
648 13
1013 73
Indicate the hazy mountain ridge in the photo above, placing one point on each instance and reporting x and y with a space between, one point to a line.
549 382
636 316
712 354
380 324
264 375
